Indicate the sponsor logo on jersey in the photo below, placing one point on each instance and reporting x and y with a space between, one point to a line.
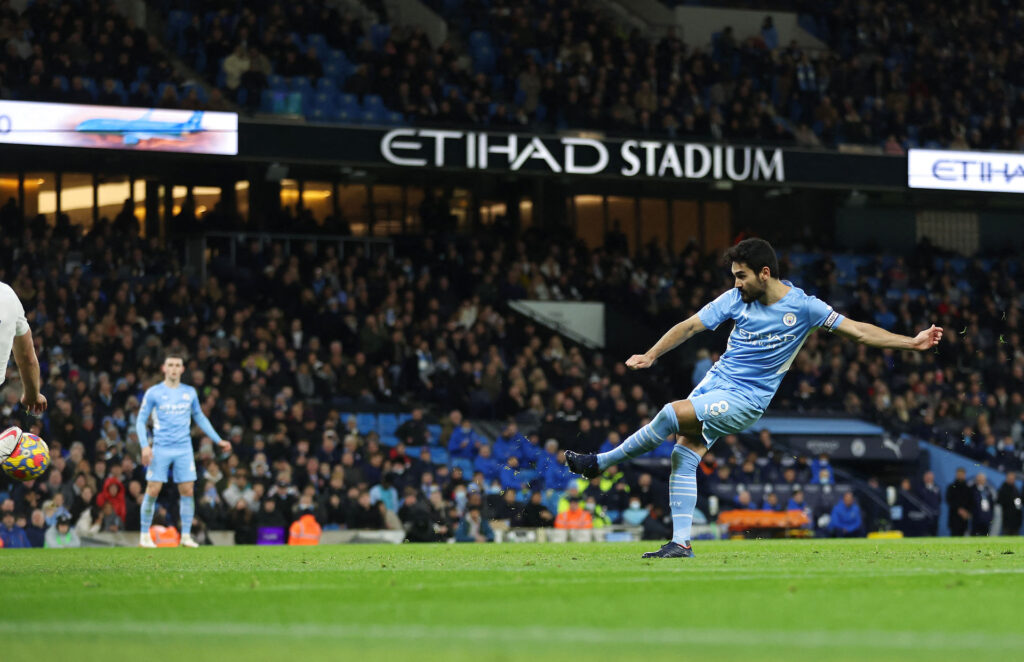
830 321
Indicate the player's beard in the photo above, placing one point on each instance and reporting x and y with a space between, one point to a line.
750 295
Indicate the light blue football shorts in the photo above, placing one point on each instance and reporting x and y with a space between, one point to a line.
182 460
721 409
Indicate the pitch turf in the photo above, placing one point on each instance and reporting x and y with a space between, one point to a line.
782 600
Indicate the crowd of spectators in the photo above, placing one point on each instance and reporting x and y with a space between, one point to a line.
281 345
88 52
893 74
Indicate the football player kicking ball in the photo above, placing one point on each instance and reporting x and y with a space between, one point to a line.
772 319
173 405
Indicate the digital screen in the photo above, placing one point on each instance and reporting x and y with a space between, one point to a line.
965 171
115 127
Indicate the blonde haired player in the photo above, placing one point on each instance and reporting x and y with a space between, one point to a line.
173 406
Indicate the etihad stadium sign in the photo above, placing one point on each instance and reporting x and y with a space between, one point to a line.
442 148
530 154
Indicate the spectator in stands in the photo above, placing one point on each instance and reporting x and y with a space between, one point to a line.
574 517
931 495
846 520
635 514
414 431
474 528
771 502
535 513
486 464
1009 499
743 501
61 535
11 535
364 515
960 500
385 492
416 518
658 525
796 501
35 529
983 507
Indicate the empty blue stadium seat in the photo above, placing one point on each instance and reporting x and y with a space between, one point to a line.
318 114
346 116
276 82
435 433
349 101
387 423
300 83
373 102
366 422
439 455
389 440
373 116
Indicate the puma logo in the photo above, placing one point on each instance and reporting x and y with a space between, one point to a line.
895 446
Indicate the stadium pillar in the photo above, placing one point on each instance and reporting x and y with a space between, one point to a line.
95 198
152 208
168 212
229 199
21 193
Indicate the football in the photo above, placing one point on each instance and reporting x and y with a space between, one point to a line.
23 455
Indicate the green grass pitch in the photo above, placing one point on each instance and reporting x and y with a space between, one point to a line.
861 600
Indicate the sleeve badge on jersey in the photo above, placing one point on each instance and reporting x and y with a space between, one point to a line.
789 319
830 321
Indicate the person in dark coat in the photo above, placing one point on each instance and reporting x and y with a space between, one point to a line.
984 506
960 500
416 518
1009 498
364 515
931 494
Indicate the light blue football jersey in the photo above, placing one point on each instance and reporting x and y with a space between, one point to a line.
173 410
765 340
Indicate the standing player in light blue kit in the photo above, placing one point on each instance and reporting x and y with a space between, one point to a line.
173 405
773 319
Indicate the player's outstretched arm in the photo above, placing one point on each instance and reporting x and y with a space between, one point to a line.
869 334
675 336
28 368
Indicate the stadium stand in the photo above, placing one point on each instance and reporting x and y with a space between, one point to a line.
430 327
883 81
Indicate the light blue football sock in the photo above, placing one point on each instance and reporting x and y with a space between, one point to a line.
188 511
643 440
682 492
148 508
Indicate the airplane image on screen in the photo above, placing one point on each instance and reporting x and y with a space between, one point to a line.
135 131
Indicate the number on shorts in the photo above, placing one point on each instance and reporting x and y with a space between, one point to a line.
716 408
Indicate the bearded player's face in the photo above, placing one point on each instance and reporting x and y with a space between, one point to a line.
752 286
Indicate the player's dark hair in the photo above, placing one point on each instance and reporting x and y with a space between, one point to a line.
174 355
756 254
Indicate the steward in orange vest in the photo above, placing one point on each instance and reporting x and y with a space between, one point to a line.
304 531
575 517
